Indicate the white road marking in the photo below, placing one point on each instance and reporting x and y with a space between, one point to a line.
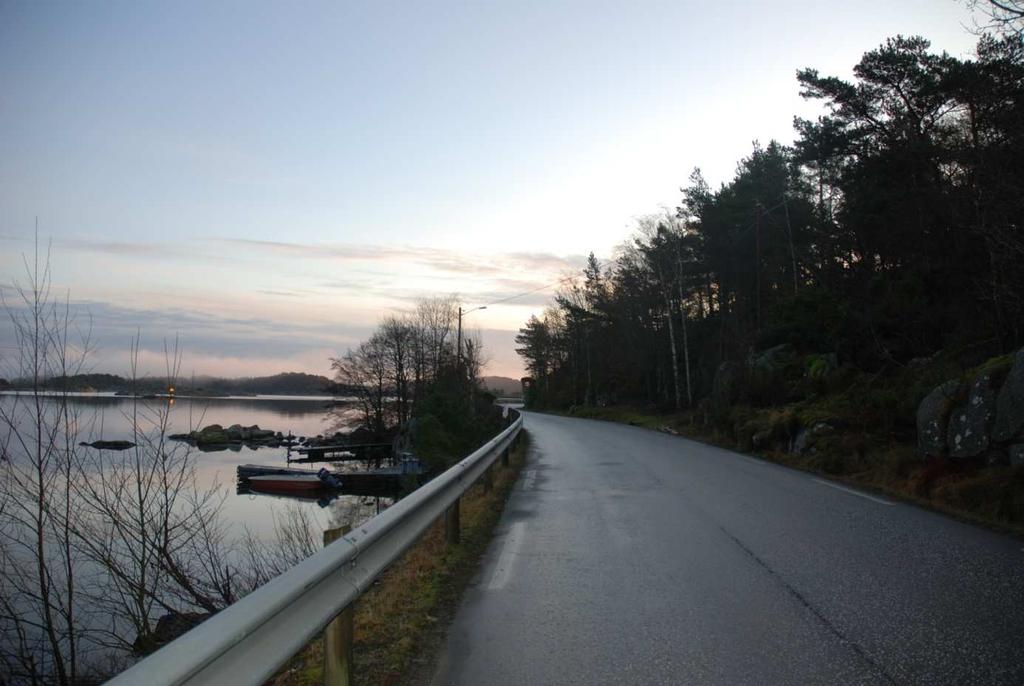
528 478
503 568
853 492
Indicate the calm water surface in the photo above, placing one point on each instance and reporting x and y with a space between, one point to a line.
109 417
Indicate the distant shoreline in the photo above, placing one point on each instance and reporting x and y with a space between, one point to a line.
180 396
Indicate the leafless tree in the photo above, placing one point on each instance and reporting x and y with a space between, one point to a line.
436 320
41 610
1005 17
364 370
153 533
398 336
295 539
94 546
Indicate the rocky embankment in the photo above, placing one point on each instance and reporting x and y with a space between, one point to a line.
979 418
780 400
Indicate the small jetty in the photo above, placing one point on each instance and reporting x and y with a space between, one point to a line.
366 452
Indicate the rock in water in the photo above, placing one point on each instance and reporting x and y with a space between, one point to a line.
214 434
109 445
933 418
970 425
1010 404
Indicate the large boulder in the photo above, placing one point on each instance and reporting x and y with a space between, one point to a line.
805 438
970 425
933 418
773 359
255 433
214 434
1009 421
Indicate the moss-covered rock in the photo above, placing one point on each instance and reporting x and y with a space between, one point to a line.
970 424
1009 421
211 435
933 418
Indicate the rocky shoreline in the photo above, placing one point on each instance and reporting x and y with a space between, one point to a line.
217 437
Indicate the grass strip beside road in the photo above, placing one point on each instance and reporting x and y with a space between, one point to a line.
400 621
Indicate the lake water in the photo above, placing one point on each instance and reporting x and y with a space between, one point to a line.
109 417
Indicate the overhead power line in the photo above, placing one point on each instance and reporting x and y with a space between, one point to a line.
532 291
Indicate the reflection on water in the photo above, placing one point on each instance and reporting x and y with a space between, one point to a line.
104 416
135 532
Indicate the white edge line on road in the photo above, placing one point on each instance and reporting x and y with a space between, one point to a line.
528 478
853 492
503 568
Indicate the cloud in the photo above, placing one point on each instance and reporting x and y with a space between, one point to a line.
438 259
283 294
146 250
289 322
204 338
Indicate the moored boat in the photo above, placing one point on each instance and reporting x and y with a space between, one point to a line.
286 479
288 482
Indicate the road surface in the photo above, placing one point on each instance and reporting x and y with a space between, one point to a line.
627 556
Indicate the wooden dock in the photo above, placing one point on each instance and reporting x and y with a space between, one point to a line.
366 452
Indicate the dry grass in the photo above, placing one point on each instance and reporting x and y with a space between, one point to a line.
399 618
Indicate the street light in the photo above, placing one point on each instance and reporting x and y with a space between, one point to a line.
459 345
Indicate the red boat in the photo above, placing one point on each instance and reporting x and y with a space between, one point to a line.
285 479
288 482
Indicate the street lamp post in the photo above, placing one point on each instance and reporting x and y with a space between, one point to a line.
458 354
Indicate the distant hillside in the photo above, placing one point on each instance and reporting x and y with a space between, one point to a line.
288 383
503 386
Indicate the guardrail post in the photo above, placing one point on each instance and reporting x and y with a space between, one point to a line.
339 634
504 457
451 524
488 480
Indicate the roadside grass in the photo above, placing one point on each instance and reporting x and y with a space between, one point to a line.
881 461
399 622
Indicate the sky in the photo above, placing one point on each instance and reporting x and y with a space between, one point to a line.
266 181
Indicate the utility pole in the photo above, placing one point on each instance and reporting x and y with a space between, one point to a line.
792 250
757 265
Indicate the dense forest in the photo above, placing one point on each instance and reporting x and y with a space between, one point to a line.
887 232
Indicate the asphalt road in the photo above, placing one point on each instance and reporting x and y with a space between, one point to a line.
627 556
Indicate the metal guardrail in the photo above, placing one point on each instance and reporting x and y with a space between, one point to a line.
250 640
